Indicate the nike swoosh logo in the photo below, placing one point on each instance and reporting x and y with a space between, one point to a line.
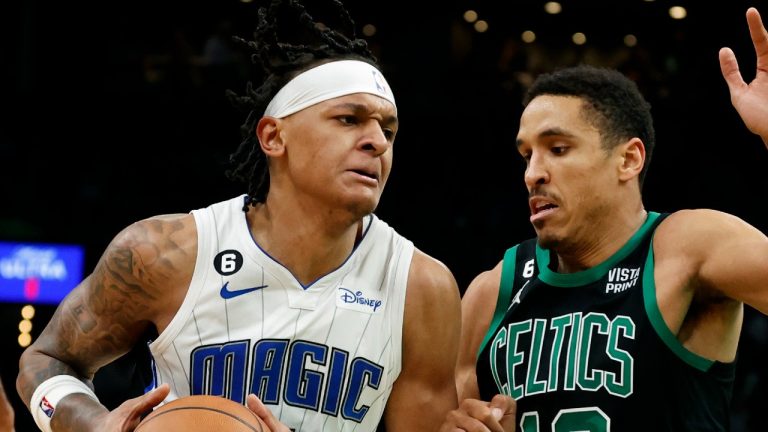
228 294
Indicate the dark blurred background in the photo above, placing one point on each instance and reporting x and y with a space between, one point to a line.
115 111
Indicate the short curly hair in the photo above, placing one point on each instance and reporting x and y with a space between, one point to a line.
613 103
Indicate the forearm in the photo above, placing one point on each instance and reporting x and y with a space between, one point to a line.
77 412
74 412
420 408
36 367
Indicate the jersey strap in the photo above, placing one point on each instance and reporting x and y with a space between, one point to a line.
505 294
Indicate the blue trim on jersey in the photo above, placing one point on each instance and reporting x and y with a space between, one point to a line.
307 286
591 275
658 323
153 369
504 297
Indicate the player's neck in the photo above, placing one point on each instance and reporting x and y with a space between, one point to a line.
600 240
309 243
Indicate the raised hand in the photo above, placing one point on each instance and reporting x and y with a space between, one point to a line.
750 99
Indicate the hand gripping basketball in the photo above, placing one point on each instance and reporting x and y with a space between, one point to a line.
202 414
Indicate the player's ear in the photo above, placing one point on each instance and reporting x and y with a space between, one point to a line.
268 133
632 159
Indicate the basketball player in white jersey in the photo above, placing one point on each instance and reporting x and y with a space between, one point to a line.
294 299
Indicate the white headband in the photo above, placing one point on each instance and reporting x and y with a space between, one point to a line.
328 81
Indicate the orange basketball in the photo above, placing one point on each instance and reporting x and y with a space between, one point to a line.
202 414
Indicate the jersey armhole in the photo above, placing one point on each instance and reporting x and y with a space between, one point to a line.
504 297
660 326
204 220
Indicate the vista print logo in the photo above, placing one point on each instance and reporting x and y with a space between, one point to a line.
349 296
621 279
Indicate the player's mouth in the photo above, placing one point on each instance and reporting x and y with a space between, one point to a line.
541 208
368 177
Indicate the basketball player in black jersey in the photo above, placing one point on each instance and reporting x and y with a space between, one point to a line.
613 317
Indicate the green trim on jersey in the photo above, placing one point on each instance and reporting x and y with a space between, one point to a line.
657 321
585 277
505 295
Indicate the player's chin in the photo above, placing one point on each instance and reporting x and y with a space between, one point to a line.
545 238
362 204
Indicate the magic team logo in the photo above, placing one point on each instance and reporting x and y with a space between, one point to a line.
357 300
300 373
47 408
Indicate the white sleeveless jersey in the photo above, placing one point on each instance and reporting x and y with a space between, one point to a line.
322 357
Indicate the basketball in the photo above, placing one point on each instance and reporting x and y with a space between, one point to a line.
202 414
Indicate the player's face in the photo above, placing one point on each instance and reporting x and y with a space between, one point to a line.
569 177
340 150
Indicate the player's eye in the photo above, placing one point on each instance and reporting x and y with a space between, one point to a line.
559 150
347 119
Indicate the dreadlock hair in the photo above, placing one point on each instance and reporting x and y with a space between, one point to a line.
280 59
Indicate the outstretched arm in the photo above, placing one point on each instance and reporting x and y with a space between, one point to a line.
750 99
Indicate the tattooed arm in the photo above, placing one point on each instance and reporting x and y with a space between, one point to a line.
139 282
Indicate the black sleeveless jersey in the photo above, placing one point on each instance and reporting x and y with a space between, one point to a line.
589 351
